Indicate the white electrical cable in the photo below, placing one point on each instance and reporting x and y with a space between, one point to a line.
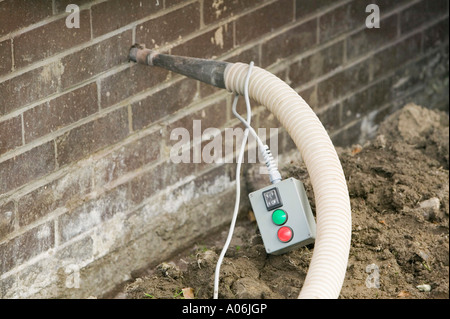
274 174
238 184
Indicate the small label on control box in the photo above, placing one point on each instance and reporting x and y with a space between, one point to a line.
284 216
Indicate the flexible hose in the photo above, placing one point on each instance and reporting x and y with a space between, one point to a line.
333 213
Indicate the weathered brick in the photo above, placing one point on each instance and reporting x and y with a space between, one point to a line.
343 83
334 23
246 55
170 3
10 134
162 103
148 184
214 11
370 39
355 106
263 20
207 45
27 166
7 218
317 64
294 41
307 7
66 191
93 212
331 117
345 18
29 87
130 81
59 112
169 27
396 55
61 5
95 59
435 36
92 136
50 39
128 158
379 94
420 13
26 246
5 57
16 14
114 14
214 116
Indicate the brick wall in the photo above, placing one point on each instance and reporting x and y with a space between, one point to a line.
88 193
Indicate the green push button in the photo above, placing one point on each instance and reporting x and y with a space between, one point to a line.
279 217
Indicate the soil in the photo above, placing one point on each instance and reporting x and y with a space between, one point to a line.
399 191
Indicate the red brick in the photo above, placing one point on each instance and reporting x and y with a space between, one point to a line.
304 8
343 83
29 87
26 246
264 20
396 55
207 45
59 112
7 219
91 137
316 64
130 81
114 14
148 184
10 134
214 11
246 56
162 103
170 26
371 39
5 57
95 59
355 106
16 14
294 41
422 12
214 115
129 157
50 39
334 23
61 5
27 166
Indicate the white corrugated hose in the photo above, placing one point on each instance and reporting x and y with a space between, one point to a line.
333 213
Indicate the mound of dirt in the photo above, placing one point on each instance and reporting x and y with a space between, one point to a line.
398 185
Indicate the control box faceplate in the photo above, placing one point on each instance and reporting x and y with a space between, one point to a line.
284 216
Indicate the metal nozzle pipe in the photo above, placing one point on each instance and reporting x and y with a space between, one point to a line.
207 71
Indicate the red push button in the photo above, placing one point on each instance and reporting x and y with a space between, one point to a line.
285 234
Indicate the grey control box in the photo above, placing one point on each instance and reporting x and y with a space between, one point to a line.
284 216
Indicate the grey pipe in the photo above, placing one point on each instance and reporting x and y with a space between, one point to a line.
207 71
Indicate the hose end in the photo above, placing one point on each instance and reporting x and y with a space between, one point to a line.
138 53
